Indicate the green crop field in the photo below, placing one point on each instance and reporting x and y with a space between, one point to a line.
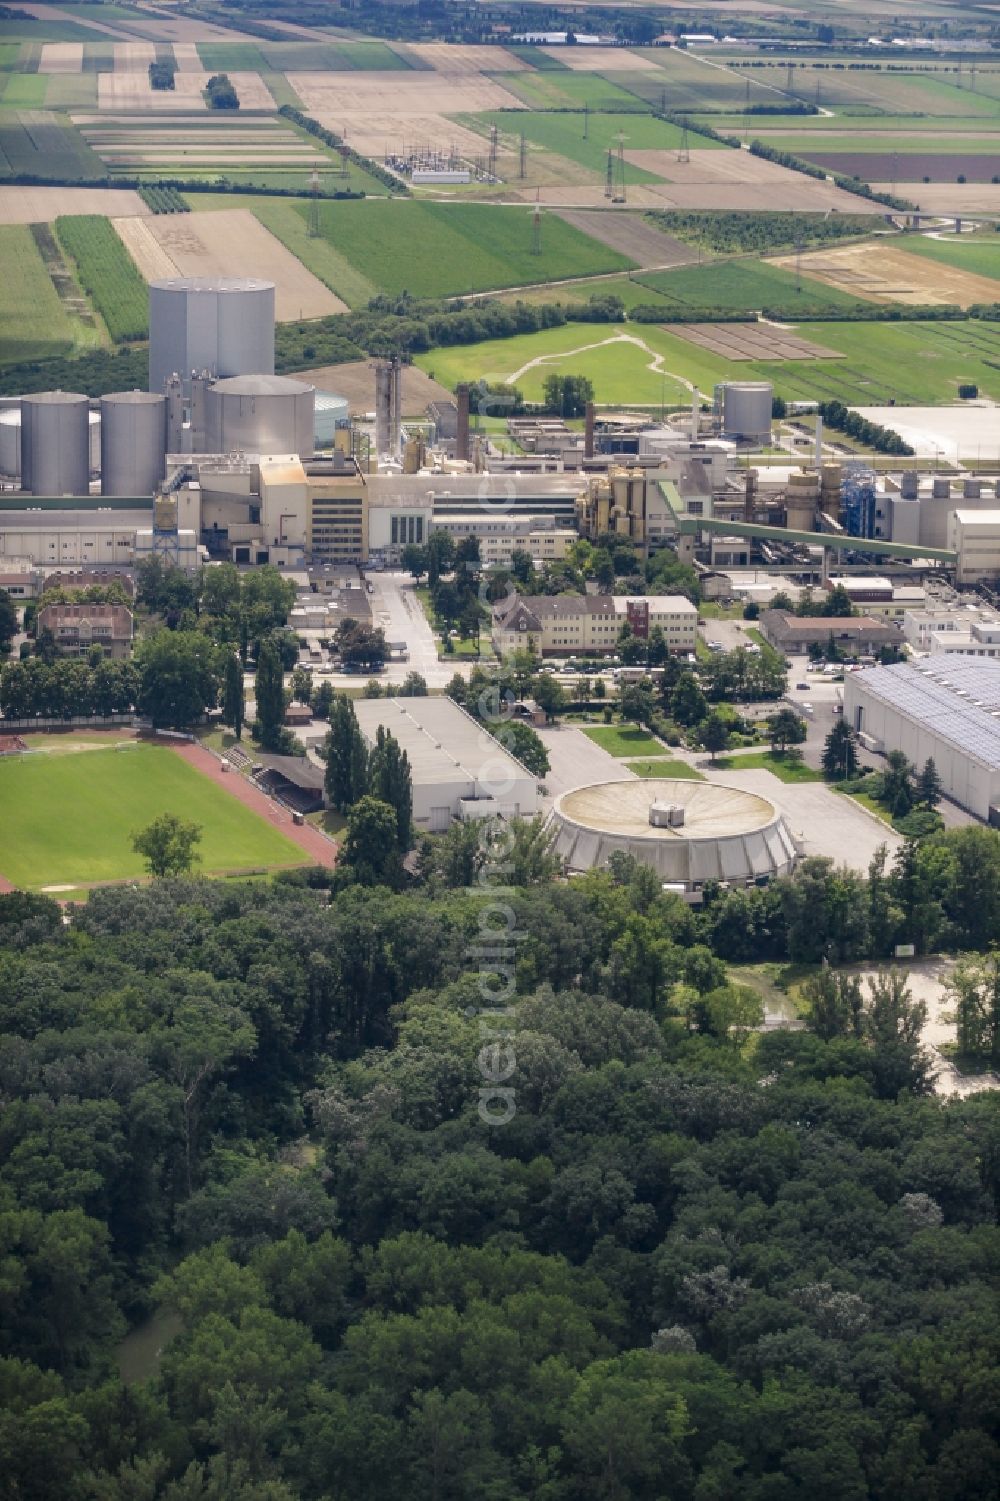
683 82
107 274
543 91
562 134
742 285
68 818
285 218
979 256
858 124
25 90
33 323
910 363
440 249
48 147
877 142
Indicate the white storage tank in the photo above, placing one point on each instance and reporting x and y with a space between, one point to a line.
332 411
746 408
221 324
260 414
55 443
133 442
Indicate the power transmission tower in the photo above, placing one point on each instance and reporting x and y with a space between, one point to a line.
663 101
609 179
683 152
522 165
746 115
586 122
314 203
789 75
972 78
618 196
798 263
493 151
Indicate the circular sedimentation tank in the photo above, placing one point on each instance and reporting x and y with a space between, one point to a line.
689 832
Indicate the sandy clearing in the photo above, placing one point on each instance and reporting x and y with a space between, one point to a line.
601 59
632 236
888 273
24 205
356 382
134 57
446 57
229 242
61 57
187 58
133 91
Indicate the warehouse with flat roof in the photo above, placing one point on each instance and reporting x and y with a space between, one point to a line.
458 769
946 708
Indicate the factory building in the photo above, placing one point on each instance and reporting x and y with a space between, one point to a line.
458 769
852 634
946 709
975 536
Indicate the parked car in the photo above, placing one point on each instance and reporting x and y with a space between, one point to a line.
802 687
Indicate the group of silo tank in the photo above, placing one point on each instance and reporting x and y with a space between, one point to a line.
212 347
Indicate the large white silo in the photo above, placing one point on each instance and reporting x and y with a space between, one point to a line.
133 442
262 414
219 324
55 443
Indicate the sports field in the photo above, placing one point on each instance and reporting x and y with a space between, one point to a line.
67 817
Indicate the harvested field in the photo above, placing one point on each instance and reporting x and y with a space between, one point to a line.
61 57
884 272
387 109
585 196
41 205
133 91
750 341
447 58
947 198
601 59
738 180
356 382
134 57
230 242
939 166
633 236
186 57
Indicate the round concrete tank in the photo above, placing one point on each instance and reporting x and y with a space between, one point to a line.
55 443
133 442
221 324
94 443
909 484
972 489
746 408
942 489
10 443
693 833
332 411
261 414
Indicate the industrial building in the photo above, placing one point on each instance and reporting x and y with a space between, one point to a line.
458 769
852 634
688 832
946 708
566 625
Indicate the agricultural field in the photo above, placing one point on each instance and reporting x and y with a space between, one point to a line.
33 323
562 136
229 242
746 285
68 818
980 257
46 146
108 274
751 341
919 363
633 234
882 271
564 90
22 205
438 250
133 91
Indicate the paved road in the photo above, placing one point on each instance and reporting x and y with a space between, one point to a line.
575 761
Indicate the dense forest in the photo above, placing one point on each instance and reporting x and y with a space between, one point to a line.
561 1228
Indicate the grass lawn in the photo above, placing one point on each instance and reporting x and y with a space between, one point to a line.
444 249
68 819
982 257
665 768
784 769
625 740
741 285
33 323
882 814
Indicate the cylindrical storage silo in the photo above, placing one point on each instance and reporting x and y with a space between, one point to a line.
746 408
94 442
133 442
941 489
55 443
332 411
221 324
263 414
972 488
10 443
909 484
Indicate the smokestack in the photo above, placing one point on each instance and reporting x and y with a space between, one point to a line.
396 380
819 441
383 407
588 432
695 414
462 435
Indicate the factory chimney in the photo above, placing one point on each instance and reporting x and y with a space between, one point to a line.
462 432
383 407
588 431
819 441
396 381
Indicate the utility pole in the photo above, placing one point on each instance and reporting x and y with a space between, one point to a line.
523 158
586 121
314 204
683 151
536 229
609 178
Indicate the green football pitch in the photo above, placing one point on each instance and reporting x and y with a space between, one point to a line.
67 818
